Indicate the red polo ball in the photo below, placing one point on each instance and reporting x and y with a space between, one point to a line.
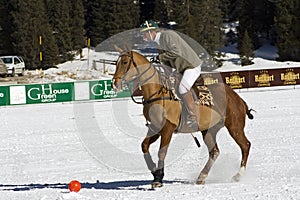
74 186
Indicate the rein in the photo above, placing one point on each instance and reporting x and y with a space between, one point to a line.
139 75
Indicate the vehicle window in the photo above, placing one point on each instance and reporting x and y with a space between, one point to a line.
16 60
7 60
21 59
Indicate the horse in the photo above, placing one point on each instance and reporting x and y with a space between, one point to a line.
164 113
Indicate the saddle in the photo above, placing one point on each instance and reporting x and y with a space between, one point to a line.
201 93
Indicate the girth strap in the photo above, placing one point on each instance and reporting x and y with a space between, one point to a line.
157 99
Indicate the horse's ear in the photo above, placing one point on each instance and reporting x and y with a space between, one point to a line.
127 48
118 49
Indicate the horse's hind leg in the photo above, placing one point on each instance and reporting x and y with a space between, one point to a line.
240 138
209 137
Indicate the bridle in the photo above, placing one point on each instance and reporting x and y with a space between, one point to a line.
139 74
137 78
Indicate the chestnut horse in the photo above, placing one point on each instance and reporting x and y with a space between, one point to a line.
164 113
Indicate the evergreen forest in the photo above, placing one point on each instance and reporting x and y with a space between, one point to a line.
60 28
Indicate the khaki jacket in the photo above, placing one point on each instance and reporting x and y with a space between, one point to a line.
176 53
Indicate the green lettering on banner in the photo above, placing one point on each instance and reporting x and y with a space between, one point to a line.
4 95
102 90
49 93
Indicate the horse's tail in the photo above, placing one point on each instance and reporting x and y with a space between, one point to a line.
248 111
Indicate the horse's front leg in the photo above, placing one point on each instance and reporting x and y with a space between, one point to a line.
166 136
150 138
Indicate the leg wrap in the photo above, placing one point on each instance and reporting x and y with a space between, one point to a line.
161 164
150 164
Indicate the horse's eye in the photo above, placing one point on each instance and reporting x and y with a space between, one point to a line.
125 63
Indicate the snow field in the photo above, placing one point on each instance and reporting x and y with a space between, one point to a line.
44 147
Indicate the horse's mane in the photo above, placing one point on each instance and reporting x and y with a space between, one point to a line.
139 54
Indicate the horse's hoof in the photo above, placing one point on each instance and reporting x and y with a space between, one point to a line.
239 175
156 185
236 178
201 179
200 182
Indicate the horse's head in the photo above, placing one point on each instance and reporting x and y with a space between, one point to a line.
127 68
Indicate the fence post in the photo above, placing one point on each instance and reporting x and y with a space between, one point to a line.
94 65
104 68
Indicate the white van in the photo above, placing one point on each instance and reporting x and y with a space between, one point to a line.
15 65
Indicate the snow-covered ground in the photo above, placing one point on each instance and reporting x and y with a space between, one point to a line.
44 147
265 57
85 69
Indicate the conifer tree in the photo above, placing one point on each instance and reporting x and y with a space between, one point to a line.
147 9
180 13
246 21
59 17
160 13
246 50
30 22
209 25
49 47
6 28
228 8
287 22
94 21
77 25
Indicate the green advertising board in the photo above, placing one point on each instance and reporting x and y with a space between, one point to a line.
49 93
4 95
59 92
102 90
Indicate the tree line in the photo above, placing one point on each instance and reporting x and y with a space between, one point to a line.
66 25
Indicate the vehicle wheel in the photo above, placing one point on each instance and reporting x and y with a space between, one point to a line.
13 72
22 73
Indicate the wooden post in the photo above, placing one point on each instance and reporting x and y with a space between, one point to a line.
41 57
88 44
104 68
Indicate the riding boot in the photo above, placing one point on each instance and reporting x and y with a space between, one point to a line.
189 103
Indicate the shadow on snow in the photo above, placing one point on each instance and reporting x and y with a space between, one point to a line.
116 185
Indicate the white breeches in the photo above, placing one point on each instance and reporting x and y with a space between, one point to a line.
188 79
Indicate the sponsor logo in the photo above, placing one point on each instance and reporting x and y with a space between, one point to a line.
289 77
103 89
235 80
209 80
45 93
264 79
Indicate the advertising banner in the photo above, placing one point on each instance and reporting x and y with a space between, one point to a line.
290 76
49 93
274 77
4 95
17 95
211 78
236 80
102 90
